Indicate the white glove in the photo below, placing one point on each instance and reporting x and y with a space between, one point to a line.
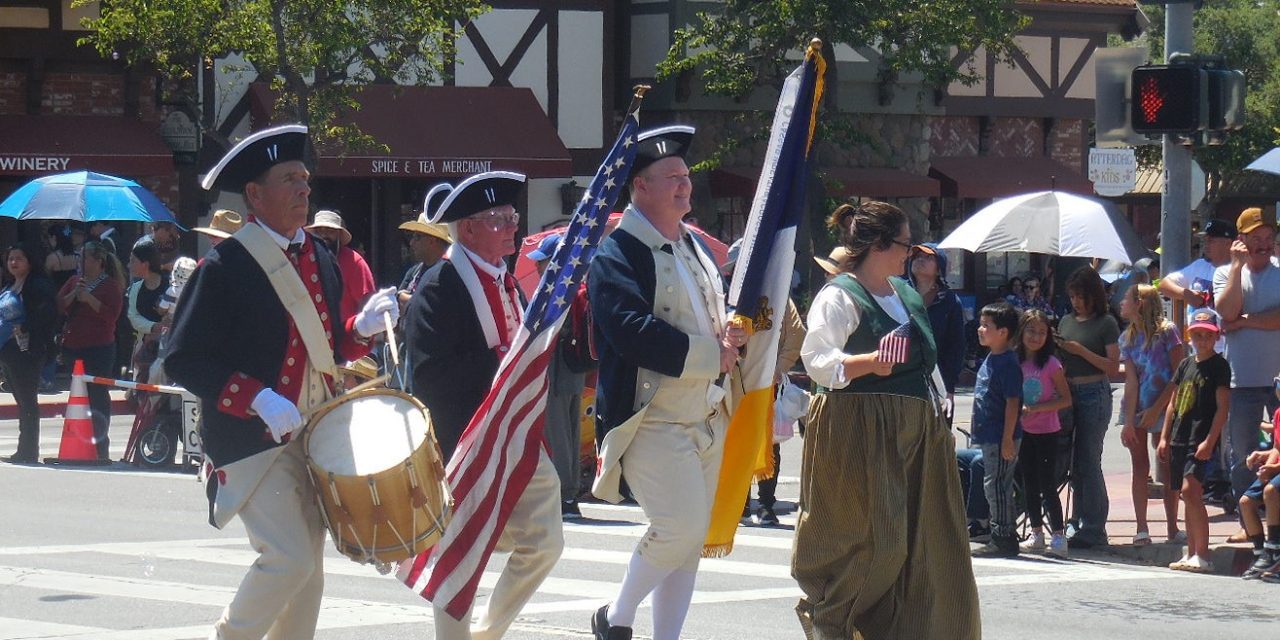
281 416
369 320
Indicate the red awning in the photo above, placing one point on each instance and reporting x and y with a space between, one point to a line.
740 182
41 145
441 132
991 177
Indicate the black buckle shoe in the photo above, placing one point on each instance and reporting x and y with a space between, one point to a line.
602 631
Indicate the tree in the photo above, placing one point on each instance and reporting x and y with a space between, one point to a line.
744 45
1243 32
316 53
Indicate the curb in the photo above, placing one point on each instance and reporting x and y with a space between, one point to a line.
1228 559
119 407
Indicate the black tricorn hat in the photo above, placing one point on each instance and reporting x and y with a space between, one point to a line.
663 142
480 192
254 155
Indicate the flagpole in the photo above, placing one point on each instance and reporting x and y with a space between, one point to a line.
638 97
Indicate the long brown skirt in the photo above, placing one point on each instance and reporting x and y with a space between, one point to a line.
881 548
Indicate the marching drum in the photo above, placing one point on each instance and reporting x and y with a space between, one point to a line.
377 470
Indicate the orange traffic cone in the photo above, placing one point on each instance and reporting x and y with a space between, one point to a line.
78 444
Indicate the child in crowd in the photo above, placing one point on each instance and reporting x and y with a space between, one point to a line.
1044 393
997 403
1150 349
1264 492
1191 430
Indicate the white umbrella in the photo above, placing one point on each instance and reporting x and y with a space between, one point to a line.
1050 222
1269 162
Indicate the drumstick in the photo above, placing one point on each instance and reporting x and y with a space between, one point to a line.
391 338
368 384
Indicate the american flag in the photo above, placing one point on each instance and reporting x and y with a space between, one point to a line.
895 346
498 451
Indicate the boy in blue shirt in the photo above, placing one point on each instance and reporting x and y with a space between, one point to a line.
997 404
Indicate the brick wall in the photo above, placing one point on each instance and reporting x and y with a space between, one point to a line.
1015 137
13 93
82 94
1067 143
953 136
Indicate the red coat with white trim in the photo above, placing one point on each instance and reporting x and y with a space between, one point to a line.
231 337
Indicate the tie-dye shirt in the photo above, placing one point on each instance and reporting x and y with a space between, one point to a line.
1153 363
1037 387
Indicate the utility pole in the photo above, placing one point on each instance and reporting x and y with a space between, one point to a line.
1175 203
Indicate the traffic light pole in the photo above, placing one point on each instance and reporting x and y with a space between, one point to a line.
1175 203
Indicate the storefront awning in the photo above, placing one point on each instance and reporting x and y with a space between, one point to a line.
991 177
116 145
843 181
441 132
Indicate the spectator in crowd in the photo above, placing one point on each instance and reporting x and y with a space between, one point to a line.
927 270
357 279
973 470
1193 284
143 308
166 236
902 546
427 241
1015 295
1044 393
92 301
1034 296
1150 348
103 233
1264 492
835 263
566 379
1191 431
26 327
997 427
60 262
222 225
1087 339
1247 297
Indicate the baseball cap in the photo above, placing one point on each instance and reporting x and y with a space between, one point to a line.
1250 219
1216 228
545 248
1204 319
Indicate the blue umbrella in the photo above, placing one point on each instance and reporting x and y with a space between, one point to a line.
85 196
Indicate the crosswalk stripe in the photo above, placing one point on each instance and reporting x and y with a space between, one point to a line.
19 629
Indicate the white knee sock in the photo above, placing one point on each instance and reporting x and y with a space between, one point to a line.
671 603
642 577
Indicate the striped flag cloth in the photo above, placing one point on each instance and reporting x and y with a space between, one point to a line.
760 292
895 346
498 452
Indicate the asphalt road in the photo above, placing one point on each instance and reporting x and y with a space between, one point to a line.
107 554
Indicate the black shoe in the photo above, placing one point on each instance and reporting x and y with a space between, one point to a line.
569 510
979 533
602 631
17 459
997 548
765 517
1076 542
746 515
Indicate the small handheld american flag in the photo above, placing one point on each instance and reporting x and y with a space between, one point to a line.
896 345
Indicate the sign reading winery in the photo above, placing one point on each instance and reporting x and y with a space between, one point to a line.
23 165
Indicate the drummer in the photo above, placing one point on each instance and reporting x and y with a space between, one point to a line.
459 324
256 363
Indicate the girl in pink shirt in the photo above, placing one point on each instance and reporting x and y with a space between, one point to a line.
1044 393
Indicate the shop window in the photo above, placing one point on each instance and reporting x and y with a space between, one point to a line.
24 18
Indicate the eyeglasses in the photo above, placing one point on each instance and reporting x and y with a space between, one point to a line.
906 245
495 220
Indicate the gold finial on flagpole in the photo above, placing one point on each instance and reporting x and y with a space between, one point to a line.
640 90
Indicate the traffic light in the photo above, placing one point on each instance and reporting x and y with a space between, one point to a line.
1169 99
1226 99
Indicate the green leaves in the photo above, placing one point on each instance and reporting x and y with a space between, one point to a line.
317 52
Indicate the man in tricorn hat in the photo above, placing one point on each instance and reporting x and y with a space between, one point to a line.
258 351
658 304
459 325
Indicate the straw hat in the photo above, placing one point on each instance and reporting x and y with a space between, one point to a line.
326 219
224 223
433 229
836 262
